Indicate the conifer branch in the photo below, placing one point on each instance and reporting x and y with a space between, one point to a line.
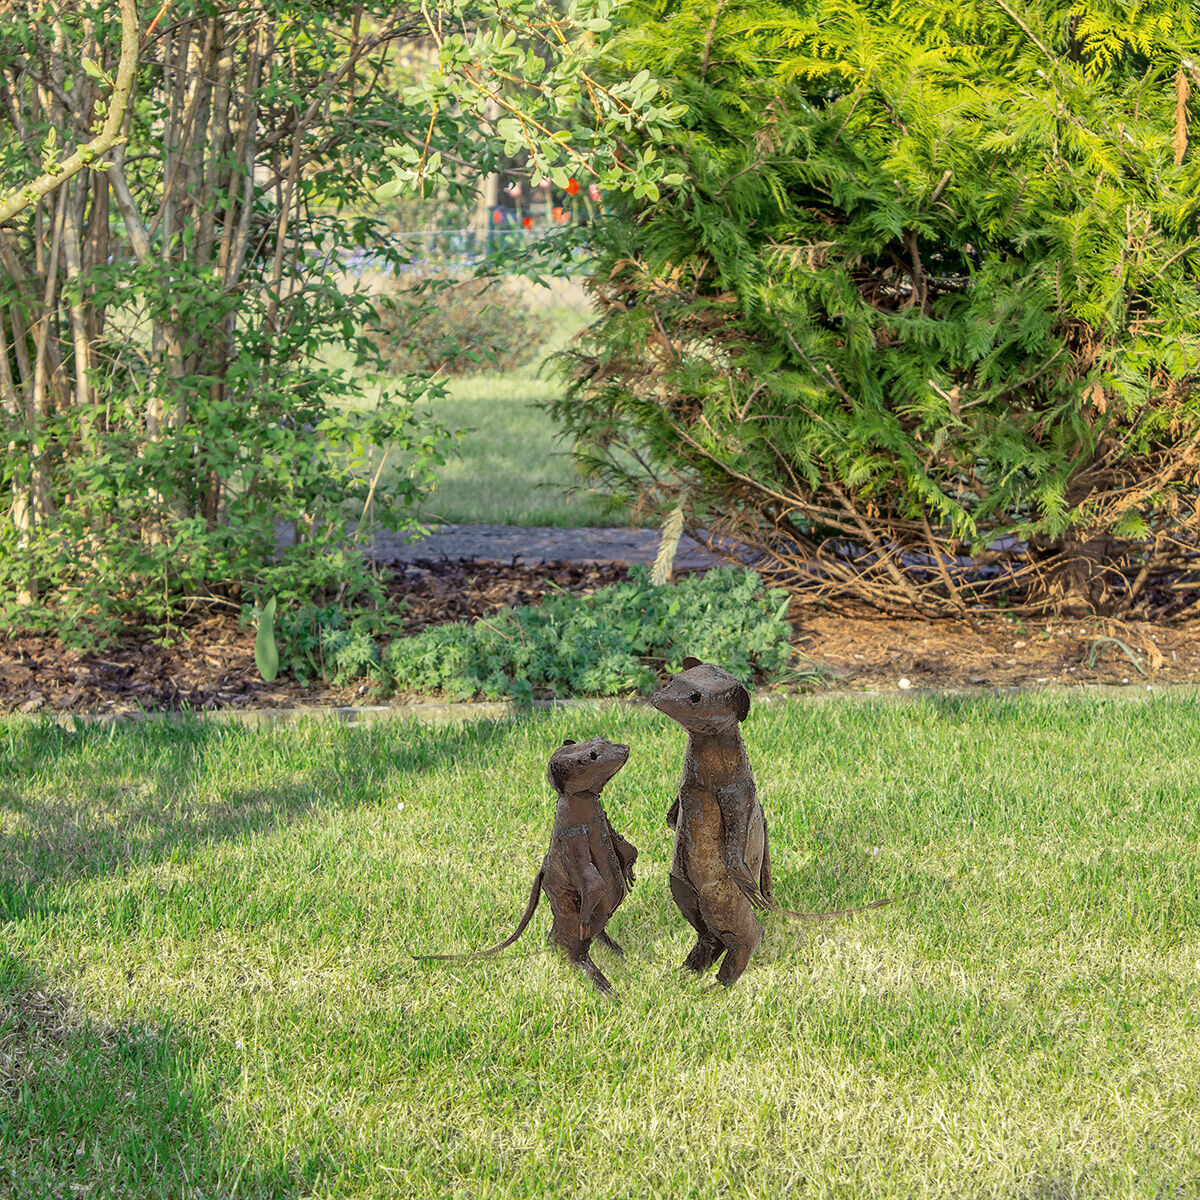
1180 142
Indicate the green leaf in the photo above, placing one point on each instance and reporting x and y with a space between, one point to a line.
266 654
389 190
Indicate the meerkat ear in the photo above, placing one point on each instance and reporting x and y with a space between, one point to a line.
568 741
741 702
556 775
690 662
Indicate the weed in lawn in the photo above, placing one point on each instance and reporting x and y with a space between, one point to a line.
221 919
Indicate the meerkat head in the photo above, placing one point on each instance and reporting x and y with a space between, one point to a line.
703 698
585 766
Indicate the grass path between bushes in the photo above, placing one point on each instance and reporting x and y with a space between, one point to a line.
510 466
206 989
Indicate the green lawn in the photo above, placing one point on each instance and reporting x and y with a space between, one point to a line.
205 987
510 466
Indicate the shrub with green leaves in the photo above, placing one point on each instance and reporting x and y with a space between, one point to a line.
930 290
454 324
611 643
165 406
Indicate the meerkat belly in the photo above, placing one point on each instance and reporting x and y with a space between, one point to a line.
554 875
608 863
560 874
699 840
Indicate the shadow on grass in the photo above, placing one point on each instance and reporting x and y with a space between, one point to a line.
112 1110
83 804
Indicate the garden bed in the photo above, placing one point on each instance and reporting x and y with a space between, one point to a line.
859 649
209 661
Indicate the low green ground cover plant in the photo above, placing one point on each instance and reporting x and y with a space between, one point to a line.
206 989
331 642
610 643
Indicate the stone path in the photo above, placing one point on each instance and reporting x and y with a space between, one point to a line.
538 543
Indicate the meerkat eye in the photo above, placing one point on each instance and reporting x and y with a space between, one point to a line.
695 697
594 755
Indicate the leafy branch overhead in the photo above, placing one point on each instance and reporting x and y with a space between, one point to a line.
56 172
530 78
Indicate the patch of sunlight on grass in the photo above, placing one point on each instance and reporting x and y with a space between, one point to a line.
205 981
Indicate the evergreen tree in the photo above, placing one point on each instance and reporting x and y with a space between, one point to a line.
922 319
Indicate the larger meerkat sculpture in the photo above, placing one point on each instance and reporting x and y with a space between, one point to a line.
588 868
721 870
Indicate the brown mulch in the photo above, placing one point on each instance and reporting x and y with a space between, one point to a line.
859 650
209 662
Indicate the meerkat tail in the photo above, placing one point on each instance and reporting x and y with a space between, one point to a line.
534 897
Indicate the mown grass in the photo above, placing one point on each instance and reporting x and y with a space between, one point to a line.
206 985
510 464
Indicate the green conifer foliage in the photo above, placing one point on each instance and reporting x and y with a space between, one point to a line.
922 319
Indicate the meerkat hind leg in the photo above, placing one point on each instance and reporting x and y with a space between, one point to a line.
708 947
612 945
742 940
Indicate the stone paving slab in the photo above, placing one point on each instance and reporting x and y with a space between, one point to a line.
539 543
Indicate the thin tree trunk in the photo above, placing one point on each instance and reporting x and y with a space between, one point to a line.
22 496
75 194
235 240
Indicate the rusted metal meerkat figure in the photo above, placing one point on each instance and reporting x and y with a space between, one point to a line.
721 871
588 868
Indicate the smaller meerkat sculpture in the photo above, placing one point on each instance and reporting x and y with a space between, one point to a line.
588 868
721 869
